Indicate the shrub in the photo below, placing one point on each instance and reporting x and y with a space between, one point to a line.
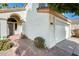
76 33
1 43
5 44
39 42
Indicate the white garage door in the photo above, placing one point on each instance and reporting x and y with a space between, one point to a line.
60 32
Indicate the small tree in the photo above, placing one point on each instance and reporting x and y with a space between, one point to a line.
65 7
4 5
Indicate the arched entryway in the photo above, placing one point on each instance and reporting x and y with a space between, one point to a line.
13 23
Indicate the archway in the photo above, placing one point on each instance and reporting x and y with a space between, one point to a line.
13 23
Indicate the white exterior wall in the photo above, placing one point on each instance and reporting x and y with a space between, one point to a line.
37 25
3 26
52 40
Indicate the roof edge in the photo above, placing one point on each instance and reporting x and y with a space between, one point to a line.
53 12
11 10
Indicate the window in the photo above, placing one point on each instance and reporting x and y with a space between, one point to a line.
43 5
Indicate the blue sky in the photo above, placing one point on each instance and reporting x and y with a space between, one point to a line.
71 16
13 4
68 15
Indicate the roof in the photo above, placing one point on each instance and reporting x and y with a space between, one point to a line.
12 8
53 12
75 21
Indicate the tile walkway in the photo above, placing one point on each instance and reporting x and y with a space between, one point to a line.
64 48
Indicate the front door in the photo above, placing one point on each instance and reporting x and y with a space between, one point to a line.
11 27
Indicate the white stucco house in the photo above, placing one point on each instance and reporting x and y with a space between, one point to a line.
35 20
74 26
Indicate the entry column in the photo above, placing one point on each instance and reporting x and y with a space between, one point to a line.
19 29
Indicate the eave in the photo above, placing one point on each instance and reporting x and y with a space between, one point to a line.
53 12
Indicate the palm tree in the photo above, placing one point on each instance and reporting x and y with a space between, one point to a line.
3 5
65 7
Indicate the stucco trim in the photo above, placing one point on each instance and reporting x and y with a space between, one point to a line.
53 12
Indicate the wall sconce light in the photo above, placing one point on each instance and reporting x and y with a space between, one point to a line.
51 23
52 20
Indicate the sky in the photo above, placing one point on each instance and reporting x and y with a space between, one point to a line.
71 16
13 4
68 15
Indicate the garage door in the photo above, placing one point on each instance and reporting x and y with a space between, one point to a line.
60 32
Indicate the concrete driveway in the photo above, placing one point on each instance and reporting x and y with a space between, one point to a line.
70 45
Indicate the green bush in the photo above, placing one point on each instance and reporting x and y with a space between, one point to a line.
39 42
5 44
1 43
